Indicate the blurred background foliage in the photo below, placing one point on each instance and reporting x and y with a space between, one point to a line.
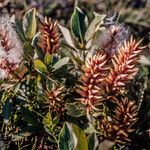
134 13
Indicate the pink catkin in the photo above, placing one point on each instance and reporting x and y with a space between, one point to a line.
124 67
94 72
11 49
113 37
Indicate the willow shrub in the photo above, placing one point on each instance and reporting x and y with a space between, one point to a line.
71 88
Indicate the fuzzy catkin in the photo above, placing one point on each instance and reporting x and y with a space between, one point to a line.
11 49
113 37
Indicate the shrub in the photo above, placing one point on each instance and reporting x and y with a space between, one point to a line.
69 89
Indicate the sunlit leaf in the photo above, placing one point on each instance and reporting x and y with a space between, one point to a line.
61 63
29 23
81 138
67 35
48 59
39 66
94 26
47 119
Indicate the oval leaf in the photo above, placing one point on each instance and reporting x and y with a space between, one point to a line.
94 26
61 63
78 24
29 23
40 67
19 29
92 141
66 138
67 35
48 59
81 138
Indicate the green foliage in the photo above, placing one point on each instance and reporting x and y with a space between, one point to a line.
81 138
92 141
75 109
61 63
19 29
67 35
48 59
79 25
50 125
94 26
29 23
67 139
72 137
28 50
39 66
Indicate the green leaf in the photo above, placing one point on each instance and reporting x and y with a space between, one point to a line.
48 119
81 138
7 111
35 39
61 63
94 26
50 126
19 30
90 128
30 24
78 24
40 67
39 88
67 140
48 59
75 109
67 35
28 50
92 141
67 52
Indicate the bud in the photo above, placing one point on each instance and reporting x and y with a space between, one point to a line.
55 100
